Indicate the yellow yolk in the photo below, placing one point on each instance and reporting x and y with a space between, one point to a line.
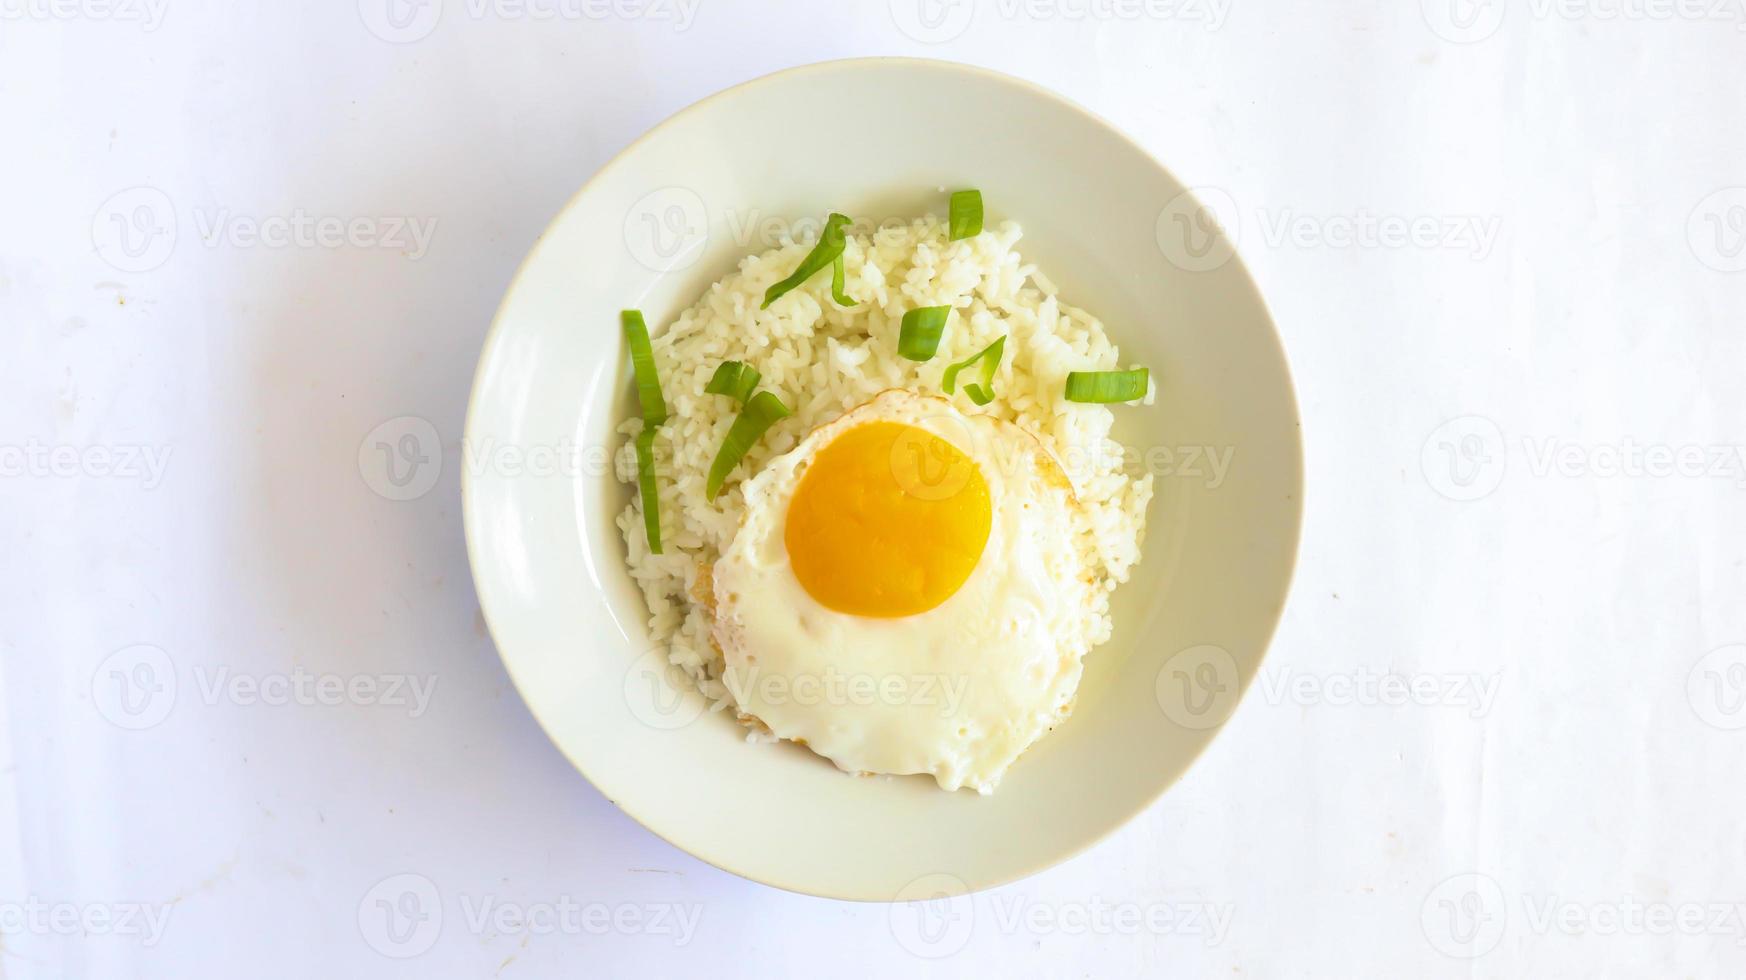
888 520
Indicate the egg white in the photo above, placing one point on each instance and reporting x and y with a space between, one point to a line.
958 691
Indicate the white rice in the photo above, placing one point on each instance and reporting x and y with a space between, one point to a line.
822 359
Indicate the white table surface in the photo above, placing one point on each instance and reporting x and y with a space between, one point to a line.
1524 493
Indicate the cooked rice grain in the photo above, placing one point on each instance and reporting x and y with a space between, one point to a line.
822 360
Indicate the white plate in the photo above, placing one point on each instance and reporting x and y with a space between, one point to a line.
881 137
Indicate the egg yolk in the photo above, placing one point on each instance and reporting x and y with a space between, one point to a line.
889 520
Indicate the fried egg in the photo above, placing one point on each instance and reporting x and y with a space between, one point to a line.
907 593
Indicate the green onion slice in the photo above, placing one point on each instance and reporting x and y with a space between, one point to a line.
966 214
646 487
749 426
986 361
837 293
1106 386
919 334
734 379
830 245
636 334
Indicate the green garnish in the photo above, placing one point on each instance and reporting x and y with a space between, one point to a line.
830 246
919 334
646 487
837 293
636 334
654 408
987 361
1106 386
966 214
734 379
749 426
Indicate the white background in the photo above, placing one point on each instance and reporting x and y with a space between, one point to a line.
1539 548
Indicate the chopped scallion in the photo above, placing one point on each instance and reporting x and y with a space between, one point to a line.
1106 386
986 362
918 337
966 214
761 412
645 443
837 293
636 334
734 379
654 409
830 245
